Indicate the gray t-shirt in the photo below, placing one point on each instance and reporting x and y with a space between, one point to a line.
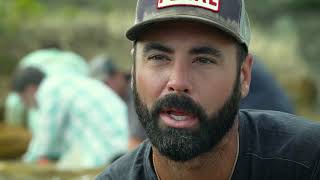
273 146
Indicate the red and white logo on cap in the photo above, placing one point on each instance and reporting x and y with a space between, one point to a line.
213 5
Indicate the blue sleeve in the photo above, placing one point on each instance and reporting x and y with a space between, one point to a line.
265 93
45 139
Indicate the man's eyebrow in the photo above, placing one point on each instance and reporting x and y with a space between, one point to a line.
157 46
206 50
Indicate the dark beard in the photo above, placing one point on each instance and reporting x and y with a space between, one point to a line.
186 144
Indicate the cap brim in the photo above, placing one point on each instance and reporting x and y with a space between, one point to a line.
136 31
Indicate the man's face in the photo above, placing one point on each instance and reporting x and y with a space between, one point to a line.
186 88
28 96
120 84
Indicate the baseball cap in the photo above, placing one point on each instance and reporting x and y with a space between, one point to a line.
101 66
229 16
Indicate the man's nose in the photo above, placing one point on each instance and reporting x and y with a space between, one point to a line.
179 80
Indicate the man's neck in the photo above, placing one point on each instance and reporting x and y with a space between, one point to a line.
216 164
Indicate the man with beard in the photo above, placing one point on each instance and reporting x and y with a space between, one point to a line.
191 68
265 94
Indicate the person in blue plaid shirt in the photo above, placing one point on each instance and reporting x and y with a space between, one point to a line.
51 61
82 122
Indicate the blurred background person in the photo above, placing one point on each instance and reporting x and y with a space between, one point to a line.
52 61
265 94
104 69
81 122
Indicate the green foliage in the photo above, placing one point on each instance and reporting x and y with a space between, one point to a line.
305 5
26 8
97 5
15 12
264 12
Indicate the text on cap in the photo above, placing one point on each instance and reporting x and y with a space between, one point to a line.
213 5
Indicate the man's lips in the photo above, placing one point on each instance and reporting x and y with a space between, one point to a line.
178 119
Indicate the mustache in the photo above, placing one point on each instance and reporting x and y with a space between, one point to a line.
180 102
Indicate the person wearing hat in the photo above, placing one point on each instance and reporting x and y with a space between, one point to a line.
191 68
104 69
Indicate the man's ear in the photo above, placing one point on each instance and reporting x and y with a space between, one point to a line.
132 77
245 75
133 54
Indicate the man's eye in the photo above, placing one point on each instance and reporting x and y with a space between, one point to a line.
158 58
204 60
